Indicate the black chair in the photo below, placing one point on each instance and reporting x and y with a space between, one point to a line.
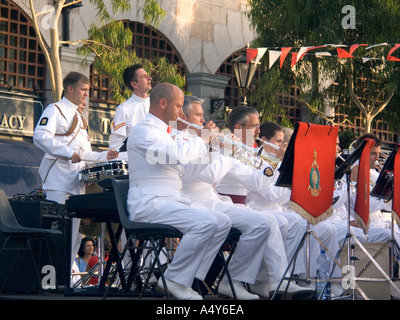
14 233
220 266
141 236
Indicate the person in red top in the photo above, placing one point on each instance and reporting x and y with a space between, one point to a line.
87 258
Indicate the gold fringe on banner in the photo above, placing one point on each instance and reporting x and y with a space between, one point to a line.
306 215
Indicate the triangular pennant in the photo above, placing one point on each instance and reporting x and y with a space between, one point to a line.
324 53
251 54
284 53
302 52
354 47
377 45
294 58
260 54
273 56
390 57
343 53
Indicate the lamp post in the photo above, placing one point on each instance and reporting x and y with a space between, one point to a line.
244 72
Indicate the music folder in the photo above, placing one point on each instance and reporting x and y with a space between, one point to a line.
286 167
383 188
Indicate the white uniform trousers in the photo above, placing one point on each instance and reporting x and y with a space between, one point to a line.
342 230
204 232
260 253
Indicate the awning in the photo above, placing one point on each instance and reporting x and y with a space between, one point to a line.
19 164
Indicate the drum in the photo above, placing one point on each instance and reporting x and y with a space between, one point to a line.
104 170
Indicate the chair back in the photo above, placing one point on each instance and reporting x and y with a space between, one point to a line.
121 188
7 217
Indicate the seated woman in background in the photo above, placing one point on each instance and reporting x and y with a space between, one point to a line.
87 258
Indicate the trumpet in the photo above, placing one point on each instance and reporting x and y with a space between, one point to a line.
240 151
189 124
268 157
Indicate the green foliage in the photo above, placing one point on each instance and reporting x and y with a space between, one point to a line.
346 138
298 23
112 46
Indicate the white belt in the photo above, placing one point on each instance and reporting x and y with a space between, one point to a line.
172 184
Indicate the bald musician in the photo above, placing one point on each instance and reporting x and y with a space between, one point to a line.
156 163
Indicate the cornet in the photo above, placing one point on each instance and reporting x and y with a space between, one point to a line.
239 150
189 124
268 157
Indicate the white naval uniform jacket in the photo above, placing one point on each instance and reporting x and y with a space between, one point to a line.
269 196
56 169
156 163
127 115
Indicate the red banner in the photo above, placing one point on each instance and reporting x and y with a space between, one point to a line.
396 186
363 187
313 171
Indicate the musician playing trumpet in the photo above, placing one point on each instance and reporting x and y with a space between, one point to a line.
260 257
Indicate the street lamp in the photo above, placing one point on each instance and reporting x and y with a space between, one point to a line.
244 72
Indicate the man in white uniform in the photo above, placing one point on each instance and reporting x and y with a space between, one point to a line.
259 258
61 133
156 164
133 110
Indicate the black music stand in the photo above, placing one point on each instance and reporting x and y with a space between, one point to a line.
383 189
285 180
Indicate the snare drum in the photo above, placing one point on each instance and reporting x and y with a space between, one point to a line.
104 170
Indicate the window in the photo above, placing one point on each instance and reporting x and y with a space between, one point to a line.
22 63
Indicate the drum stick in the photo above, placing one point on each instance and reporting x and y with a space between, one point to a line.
87 160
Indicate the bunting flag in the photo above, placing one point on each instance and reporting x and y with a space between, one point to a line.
273 56
390 57
313 171
294 59
285 51
255 54
304 50
396 186
361 209
342 52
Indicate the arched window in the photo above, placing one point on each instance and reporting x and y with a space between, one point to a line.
22 63
148 43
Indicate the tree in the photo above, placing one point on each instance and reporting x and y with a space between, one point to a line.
109 43
370 86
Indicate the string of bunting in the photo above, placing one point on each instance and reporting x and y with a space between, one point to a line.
342 52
